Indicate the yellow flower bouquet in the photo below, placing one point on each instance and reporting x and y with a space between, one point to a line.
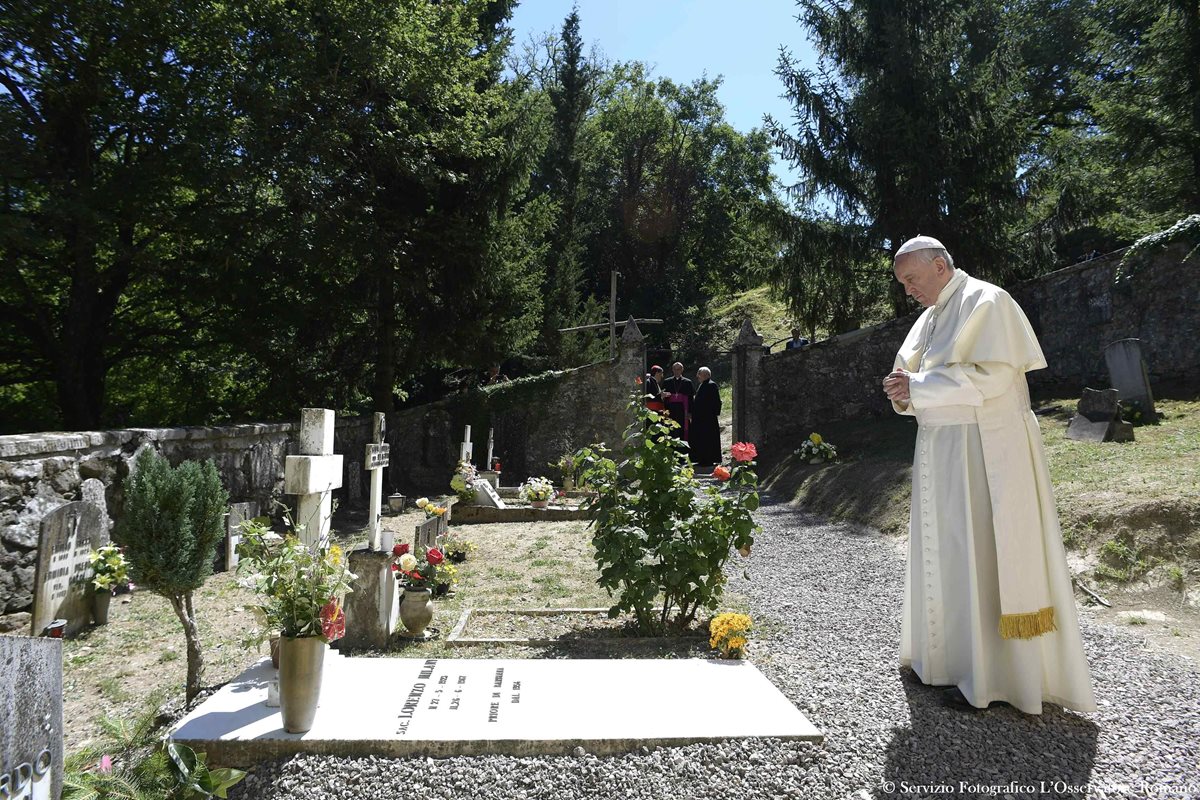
729 633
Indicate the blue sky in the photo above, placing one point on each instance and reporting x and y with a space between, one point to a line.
686 39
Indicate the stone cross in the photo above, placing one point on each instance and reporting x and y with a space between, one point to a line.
313 475
466 451
377 459
1127 372
238 513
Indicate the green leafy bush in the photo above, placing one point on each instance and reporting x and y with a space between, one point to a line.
658 537
170 531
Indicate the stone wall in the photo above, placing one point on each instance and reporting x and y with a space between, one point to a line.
535 420
1075 311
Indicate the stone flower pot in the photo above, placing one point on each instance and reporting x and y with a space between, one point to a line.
416 610
301 662
539 503
101 598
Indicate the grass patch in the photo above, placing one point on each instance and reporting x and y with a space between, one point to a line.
1138 504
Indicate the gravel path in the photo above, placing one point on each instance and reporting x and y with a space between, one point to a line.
825 599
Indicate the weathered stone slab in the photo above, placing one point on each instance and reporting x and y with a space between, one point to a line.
427 532
1099 418
1127 372
62 582
486 495
31 717
480 515
444 707
373 608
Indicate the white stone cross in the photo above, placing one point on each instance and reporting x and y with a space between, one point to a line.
377 459
465 451
313 475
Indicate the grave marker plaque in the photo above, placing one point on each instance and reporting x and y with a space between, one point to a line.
31 717
63 581
427 533
1099 418
486 494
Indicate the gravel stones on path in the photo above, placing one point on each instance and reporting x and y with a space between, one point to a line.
826 604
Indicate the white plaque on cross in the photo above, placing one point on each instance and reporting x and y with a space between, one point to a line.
313 475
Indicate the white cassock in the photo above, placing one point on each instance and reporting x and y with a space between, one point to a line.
988 604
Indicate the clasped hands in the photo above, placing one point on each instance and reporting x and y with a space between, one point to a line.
895 386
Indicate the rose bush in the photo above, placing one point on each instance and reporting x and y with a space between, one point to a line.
656 534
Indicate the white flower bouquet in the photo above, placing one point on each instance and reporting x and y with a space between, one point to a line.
816 450
537 489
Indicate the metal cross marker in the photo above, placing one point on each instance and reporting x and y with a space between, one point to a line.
377 458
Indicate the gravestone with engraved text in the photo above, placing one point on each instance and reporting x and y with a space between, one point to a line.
31 717
63 580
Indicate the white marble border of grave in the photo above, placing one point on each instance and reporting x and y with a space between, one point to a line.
444 707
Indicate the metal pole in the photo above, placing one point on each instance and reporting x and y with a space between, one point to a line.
612 317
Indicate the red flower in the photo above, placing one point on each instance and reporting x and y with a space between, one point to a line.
744 451
721 473
395 567
434 556
638 381
333 621
399 550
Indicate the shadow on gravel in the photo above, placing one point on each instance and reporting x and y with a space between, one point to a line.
948 752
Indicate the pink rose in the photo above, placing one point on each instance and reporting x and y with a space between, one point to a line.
744 451
721 473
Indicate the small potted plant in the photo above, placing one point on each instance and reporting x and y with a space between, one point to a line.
445 575
728 633
537 492
567 466
109 573
418 572
456 547
301 588
816 450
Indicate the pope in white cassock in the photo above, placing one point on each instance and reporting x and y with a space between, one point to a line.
988 606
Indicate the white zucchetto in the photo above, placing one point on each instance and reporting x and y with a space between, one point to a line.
920 243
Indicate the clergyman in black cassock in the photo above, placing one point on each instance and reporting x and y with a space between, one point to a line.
704 437
679 403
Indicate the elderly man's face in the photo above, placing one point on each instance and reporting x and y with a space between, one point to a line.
677 369
922 280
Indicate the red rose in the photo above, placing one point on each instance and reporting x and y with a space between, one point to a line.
434 556
721 473
744 451
395 567
399 550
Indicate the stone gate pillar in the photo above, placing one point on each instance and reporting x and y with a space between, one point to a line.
748 352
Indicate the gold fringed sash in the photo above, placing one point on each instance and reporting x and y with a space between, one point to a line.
1027 626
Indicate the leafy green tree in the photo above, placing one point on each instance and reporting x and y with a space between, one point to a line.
170 531
113 145
917 120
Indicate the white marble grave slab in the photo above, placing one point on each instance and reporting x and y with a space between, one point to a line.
442 707
486 494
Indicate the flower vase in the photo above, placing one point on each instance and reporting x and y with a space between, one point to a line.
416 611
301 661
101 598
568 483
539 503
814 461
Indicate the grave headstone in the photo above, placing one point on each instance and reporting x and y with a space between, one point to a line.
92 491
486 495
1128 375
63 580
238 513
377 459
1099 418
491 476
427 532
31 717
314 474
466 449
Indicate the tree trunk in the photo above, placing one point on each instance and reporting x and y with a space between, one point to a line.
385 341
1191 12
195 659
